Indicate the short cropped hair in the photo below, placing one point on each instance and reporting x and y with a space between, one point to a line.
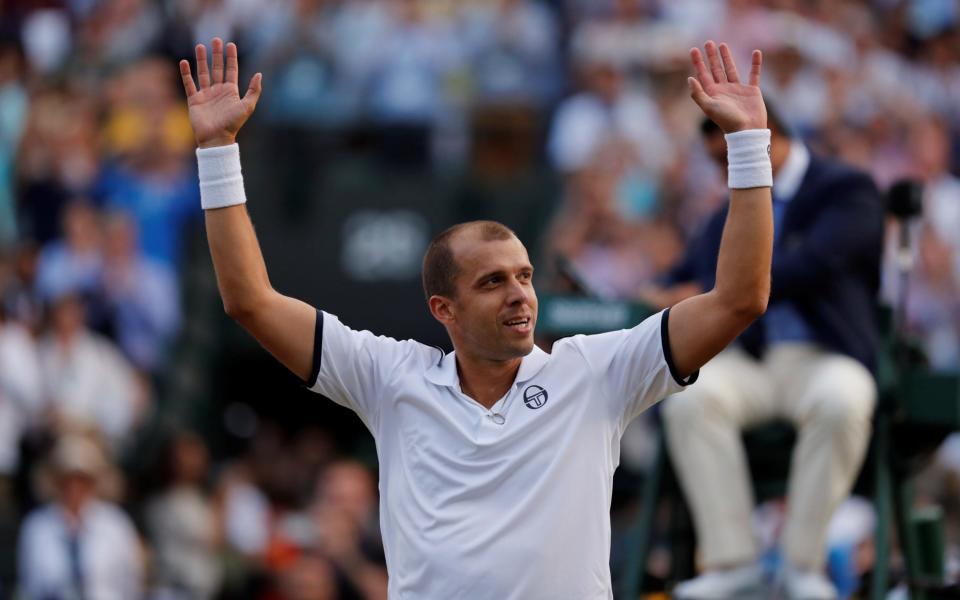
440 268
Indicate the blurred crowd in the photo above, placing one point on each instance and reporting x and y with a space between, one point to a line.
98 198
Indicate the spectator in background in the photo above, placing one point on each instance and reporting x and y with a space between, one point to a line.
13 115
47 37
808 359
20 394
512 46
411 83
184 526
929 147
88 384
348 532
18 290
116 32
798 85
206 19
607 110
625 34
308 577
151 177
74 263
61 161
933 301
414 57
20 403
296 43
141 296
608 232
79 546
247 519
932 304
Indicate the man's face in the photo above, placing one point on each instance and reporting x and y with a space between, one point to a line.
76 489
495 310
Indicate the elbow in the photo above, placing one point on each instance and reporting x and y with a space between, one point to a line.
752 306
746 313
238 311
243 310
747 307
755 309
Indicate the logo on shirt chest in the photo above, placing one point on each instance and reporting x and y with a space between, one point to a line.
534 396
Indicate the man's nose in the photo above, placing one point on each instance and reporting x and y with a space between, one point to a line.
518 292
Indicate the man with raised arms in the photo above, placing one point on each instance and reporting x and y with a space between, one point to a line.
497 459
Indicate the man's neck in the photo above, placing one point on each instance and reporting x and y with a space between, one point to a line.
486 381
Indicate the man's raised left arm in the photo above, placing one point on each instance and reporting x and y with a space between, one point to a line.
703 325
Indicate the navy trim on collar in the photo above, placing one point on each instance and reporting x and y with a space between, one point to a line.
445 372
668 354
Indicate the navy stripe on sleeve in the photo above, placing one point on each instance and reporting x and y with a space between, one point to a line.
317 349
668 354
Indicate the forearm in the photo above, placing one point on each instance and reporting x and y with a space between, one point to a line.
237 260
241 273
743 265
283 325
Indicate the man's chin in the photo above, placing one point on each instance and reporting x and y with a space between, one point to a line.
523 347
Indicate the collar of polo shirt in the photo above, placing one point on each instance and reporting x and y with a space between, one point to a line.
444 372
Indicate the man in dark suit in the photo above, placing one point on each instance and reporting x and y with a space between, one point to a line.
809 360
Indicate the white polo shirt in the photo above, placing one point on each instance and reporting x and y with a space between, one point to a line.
506 503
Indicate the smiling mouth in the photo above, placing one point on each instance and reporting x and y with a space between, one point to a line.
519 325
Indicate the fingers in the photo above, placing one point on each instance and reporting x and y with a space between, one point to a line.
187 77
232 74
696 92
713 58
253 92
755 63
700 69
216 48
203 75
728 65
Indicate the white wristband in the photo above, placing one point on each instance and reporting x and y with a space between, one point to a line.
748 159
221 183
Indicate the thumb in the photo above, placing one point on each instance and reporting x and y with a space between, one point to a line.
253 92
696 92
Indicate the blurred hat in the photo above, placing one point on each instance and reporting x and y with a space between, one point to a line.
77 454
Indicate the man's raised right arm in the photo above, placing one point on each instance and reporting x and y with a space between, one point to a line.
283 325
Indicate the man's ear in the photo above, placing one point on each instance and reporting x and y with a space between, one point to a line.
442 309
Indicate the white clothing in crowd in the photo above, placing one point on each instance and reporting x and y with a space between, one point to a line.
101 556
90 383
20 391
183 527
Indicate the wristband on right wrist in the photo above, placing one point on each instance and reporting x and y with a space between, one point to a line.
221 183
748 159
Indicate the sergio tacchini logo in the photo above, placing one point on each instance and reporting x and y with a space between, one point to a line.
534 396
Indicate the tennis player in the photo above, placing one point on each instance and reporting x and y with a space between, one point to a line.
497 459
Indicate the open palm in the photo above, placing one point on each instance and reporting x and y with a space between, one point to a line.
717 90
217 112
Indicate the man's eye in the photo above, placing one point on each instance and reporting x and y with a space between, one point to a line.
526 275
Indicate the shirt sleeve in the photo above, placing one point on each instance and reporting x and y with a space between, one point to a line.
351 367
634 365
